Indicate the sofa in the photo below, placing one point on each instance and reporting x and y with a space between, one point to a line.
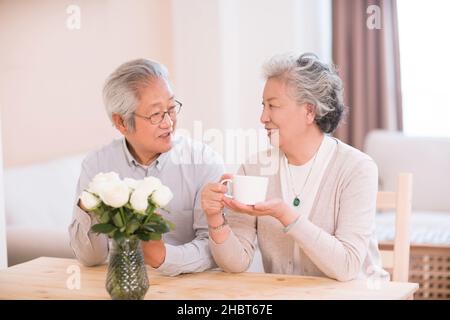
428 159
38 208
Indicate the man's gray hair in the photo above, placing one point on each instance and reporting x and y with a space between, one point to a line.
121 93
311 81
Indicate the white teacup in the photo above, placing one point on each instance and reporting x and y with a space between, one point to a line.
248 189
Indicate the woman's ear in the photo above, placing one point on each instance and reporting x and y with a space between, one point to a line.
119 124
310 113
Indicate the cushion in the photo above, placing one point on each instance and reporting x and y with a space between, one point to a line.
427 158
427 227
42 195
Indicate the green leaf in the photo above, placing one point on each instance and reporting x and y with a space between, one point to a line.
154 217
104 217
118 236
103 228
155 236
170 224
132 227
142 235
148 228
117 219
161 227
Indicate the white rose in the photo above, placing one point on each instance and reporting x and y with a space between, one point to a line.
89 201
115 193
131 183
150 184
139 200
162 196
101 180
144 188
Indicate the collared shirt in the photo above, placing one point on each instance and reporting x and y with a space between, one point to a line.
185 169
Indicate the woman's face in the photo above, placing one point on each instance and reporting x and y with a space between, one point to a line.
282 117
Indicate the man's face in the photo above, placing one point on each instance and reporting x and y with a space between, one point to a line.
155 98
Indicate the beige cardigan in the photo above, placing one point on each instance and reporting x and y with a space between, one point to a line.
337 240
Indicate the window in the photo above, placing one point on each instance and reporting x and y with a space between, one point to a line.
425 66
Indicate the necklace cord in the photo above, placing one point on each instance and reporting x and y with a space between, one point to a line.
307 177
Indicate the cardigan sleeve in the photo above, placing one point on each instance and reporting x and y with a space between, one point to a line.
236 253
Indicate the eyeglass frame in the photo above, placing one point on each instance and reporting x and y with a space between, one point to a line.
149 118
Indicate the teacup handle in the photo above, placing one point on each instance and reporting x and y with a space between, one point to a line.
225 181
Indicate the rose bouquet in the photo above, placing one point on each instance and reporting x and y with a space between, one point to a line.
126 213
126 208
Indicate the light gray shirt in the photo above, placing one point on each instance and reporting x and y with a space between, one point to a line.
185 169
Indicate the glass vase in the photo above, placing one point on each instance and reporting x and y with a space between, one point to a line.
127 275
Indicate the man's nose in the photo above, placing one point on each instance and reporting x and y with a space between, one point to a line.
167 121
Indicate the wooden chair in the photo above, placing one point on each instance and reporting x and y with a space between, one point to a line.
398 259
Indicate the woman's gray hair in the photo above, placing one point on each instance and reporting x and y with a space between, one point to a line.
121 93
312 82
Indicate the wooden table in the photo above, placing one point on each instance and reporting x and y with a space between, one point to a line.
52 278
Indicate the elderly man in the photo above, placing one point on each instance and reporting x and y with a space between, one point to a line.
140 103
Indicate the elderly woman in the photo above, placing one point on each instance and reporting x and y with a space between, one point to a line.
318 218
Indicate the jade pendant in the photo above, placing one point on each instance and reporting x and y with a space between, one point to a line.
296 202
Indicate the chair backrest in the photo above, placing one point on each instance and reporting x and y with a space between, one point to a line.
400 200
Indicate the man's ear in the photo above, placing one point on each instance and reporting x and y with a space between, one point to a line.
310 112
119 124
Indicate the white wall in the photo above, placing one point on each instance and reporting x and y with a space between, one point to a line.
217 68
51 77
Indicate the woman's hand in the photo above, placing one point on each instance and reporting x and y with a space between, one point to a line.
276 208
212 204
273 207
212 201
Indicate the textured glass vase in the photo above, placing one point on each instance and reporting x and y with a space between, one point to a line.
127 275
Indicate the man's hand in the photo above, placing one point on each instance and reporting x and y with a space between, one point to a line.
80 204
154 252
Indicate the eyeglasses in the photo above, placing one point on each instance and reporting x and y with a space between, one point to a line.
158 117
